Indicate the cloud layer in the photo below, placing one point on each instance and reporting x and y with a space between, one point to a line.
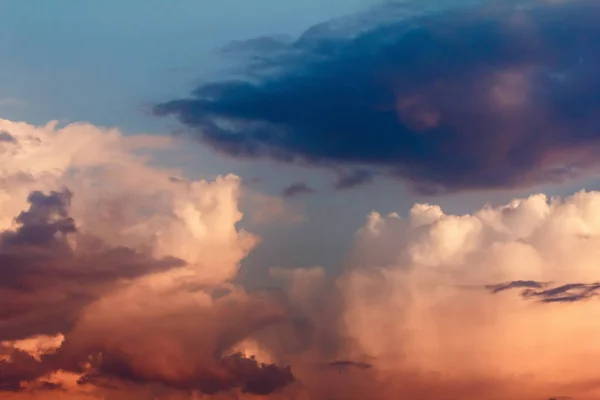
120 282
466 96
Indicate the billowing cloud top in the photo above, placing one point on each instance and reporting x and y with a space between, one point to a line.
468 95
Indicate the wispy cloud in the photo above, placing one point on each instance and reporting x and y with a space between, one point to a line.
567 293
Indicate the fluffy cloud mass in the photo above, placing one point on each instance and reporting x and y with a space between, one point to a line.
443 95
124 269
120 282
418 305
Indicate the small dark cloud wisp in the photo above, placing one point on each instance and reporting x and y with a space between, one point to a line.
353 179
297 189
504 94
539 291
6 137
341 364
501 287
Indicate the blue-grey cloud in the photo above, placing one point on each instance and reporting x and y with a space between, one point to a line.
500 94
297 189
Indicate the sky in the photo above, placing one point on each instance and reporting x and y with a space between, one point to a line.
358 199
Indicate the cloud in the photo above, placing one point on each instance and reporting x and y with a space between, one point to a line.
500 287
413 306
6 137
125 285
355 178
43 285
567 293
44 223
116 279
21 366
297 189
474 95
186 352
346 364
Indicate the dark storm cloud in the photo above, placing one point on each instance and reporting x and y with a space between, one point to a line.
567 293
503 94
44 224
297 189
44 282
19 367
257 378
236 371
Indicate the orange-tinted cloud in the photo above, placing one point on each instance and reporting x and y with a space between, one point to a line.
416 303
130 267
